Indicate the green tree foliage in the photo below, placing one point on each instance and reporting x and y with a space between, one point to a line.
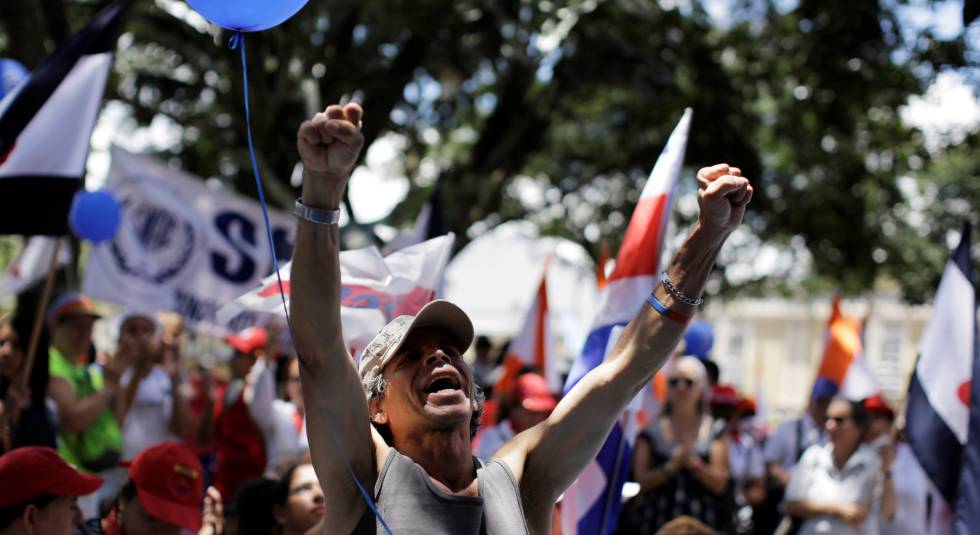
577 97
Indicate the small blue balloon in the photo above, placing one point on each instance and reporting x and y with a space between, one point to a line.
247 15
698 339
95 215
11 74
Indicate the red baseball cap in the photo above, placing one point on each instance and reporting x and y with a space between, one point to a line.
533 393
170 484
249 340
877 404
746 406
725 395
32 471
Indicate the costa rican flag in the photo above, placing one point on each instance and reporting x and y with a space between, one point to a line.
533 345
591 505
943 415
45 125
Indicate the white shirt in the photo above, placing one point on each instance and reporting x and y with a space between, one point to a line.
492 438
744 460
275 418
911 495
148 421
816 479
781 448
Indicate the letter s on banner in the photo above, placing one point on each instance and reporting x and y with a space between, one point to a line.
239 232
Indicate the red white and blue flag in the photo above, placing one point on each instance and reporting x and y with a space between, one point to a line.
942 421
591 505
374 289
534 345
45 126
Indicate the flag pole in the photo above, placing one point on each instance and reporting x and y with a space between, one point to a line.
39 316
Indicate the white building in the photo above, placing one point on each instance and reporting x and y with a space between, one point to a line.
779 343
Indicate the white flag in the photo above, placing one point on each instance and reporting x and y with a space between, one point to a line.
31 265
374 288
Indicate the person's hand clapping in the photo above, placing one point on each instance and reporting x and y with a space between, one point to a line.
723 194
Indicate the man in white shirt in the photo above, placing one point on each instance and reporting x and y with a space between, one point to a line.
786 445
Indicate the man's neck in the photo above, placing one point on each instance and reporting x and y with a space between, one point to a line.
445 456
841 456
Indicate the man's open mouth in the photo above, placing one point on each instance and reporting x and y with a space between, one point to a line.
446 382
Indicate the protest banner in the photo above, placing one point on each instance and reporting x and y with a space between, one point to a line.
182 246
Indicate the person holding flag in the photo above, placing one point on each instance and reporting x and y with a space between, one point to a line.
412 384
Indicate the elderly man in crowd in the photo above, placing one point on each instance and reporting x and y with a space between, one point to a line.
414 387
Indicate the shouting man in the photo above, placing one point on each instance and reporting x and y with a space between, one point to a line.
402 421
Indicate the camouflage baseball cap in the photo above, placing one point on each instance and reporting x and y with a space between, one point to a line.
439 314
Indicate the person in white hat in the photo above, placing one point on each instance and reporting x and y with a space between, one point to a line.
412 384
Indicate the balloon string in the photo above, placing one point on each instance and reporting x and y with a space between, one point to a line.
237 41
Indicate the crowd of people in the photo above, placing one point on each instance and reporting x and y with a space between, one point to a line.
158 447
308 441
147 434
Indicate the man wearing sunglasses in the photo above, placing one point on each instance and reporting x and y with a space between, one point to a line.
401 421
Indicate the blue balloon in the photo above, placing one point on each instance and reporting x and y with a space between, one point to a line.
95 215
698 339
247 15
11 74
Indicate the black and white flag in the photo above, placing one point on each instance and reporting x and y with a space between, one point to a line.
45 126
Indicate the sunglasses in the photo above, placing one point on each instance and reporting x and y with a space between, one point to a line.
673 382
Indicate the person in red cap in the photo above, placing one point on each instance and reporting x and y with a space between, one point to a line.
239 445
401 420
533 403
39 492
162 496
882 421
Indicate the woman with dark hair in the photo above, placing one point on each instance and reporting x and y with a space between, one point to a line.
835 488
681 466
299 501
25 419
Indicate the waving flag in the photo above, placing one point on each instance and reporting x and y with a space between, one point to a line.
374 289
844 369
591 504
533 345
45 125
943 415
31 265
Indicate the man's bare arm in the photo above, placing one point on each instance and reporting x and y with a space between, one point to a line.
547 458
337 412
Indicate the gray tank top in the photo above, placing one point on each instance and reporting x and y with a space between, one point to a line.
411 505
